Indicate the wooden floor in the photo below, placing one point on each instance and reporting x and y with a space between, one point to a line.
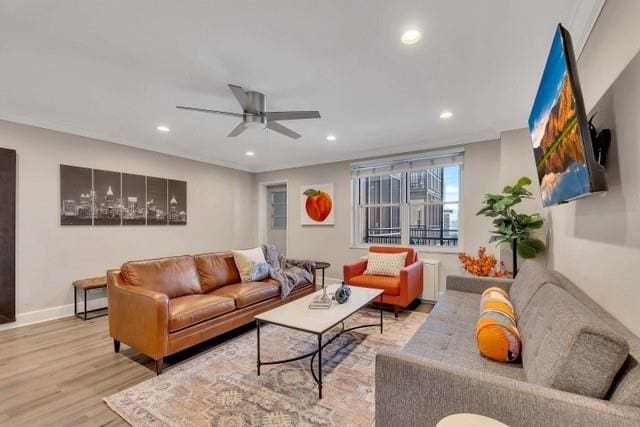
56 373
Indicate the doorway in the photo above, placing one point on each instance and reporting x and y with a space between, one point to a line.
276 209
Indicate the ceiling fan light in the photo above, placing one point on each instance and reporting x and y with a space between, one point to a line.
255 121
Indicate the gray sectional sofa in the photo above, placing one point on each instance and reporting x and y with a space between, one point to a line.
579 364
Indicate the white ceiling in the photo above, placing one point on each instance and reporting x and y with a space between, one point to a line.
115 70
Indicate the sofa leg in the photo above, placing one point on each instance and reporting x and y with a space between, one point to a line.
116 346
396 310
159 366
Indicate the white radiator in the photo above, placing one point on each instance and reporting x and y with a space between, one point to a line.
431 280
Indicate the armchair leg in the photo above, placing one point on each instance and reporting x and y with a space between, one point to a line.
396 310
116 346
159 366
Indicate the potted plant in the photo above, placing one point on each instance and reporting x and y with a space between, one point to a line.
516 229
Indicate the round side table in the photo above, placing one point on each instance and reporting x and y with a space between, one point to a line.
321 265
469 420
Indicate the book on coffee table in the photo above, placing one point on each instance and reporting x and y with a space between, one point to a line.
318 302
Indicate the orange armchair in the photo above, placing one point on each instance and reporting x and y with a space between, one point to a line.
399 291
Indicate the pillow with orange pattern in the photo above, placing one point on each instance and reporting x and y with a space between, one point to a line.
496 332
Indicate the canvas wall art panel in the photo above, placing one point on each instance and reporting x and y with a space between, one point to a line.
177 193
76 195
316 204
156 201
134 199
107 206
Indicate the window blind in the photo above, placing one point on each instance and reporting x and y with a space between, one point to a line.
399 165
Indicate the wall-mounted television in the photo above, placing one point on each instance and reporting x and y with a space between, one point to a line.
559 128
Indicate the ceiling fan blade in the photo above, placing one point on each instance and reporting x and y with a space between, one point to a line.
242 98
283 130
204 110
292 115
238 129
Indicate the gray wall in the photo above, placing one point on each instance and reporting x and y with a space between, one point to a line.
516 160
596 241
333 243
50 257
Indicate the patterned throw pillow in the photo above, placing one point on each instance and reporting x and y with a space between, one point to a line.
496 332
259 271
385 264
251 264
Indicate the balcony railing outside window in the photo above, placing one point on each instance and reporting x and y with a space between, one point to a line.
418 236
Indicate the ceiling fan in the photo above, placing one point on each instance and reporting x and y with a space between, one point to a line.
254 114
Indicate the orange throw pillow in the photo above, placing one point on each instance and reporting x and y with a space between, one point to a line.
496 332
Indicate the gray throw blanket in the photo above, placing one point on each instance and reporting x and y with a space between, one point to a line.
287 272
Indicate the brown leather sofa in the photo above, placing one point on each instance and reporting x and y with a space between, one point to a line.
162 306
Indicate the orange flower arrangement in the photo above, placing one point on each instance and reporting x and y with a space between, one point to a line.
484 265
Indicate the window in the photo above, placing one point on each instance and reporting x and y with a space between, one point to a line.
418 206
279 210
380 207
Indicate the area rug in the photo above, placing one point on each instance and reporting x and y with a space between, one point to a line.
221 388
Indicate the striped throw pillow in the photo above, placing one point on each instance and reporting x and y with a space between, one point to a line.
496 331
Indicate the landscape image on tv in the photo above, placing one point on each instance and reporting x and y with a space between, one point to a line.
553 123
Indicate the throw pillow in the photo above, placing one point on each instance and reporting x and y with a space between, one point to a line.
248 262
496 331
259 271
379 264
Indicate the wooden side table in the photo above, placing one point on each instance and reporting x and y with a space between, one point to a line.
86 285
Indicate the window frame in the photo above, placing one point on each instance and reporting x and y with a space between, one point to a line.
357 212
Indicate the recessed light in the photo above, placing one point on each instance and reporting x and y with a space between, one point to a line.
331 137
250 153
411 37
163 128
446 115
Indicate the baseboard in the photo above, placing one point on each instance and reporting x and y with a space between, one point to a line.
51 313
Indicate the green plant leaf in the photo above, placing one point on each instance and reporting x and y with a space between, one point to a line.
507 239
504 203
523 181
310 192
529 248
484 210
526 251
536 224
535 243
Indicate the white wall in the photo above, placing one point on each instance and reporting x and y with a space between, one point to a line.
50 257
596 241
516 160
333 243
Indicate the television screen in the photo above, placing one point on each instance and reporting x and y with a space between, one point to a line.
559 129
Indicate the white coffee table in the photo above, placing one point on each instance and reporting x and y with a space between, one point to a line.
297 315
